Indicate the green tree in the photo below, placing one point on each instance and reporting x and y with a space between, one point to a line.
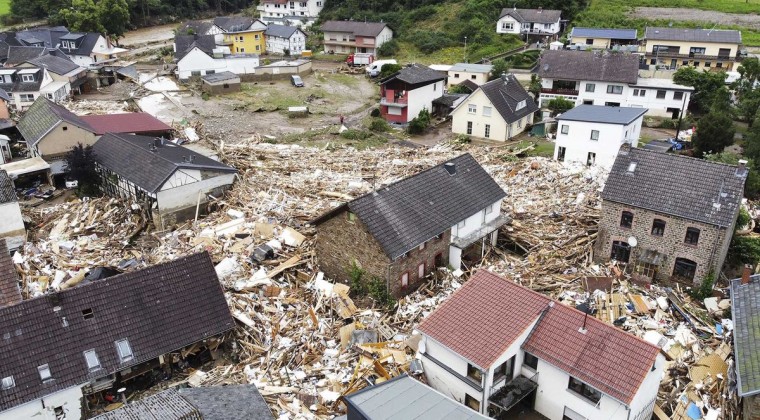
498 68
705 85
715 132
560 105
388 49
80 164
749 103
749 71
389 69
752 141
82 16
114 17
535 86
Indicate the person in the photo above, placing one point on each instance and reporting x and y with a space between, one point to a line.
341 119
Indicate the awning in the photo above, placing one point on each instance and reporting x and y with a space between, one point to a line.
650 256
484 230
513 392
26 166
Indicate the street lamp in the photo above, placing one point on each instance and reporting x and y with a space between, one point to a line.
465 49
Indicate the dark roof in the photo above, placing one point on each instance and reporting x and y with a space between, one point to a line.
745 311
50 37
416 74
409 212
469 84
220 77
368 29
128 122
84 45
4 96
404 398
281 31
159 309
198 27
658 146
7 189
449 99
130 156
18 85
604 33
185 43
694 189
57 65
233 23
18 55
166 405
532 15
505 95
728 36
42 116
7 39
603 114
10 293
600 66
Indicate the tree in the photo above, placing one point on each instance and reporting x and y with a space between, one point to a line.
749 103
82 16
535 86
752 141
388 49
715 132
560 105
389 69
749 71
705 85
80 163
114 17
498 67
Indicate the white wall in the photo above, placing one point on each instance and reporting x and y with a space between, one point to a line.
385 35
187 195
423 97
499 129
11 223
277 45
648 389
471 225
657 107
477 78
577 142
507 19
44 408
197 60
82 60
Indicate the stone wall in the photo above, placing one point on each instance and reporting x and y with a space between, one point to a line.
709 253
751 407
410 263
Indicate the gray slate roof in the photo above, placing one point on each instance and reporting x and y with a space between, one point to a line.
629 34
130 156
198 27
57 65
404 398
600 66
729 36
159 309
42 116
84 44
7 189
281 31
10 293
166 405
505 95
185 43
745 311
220 77
603 114
532 15
409 212
416 74
233 23
18 55
368 29
4 96
49 36
676 185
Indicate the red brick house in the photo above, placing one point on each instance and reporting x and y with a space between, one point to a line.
404 94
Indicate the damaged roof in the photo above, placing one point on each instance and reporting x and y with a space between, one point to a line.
42 117
10 292
505 94
404 214
159 309
7 189
532 15
694 189
601 66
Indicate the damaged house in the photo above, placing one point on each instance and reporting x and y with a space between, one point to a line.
669 217
62 350
444 216
12 227
505 350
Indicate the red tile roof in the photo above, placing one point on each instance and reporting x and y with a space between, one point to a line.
131 122
482 319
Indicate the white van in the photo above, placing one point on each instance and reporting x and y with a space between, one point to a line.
374 69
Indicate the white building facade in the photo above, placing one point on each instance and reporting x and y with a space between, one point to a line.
481 226
197 63
64 404
295 13
283 40
529 21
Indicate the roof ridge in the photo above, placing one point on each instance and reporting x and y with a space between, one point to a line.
679 156
131 143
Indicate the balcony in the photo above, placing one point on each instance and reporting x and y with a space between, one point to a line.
348 43
401 102
514 391
662 54
560 91
537 31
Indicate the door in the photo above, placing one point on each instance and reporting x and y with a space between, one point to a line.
421 270
438 261
591 159
561 153
673 64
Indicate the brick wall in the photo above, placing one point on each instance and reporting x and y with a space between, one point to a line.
413 259
709 253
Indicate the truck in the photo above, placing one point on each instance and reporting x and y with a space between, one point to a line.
360 59
373 70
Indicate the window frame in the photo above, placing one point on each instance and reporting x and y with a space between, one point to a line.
93 368
487 131
658 230
684 263
584 390
474 374
626 219
615 89
45 368
677 96
122 357
692 236
469 401
564 129
404 279
472 109
487 111
7 382
661 94
469 128
351 217
592 135
590 87
530 361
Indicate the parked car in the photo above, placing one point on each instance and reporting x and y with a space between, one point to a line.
296 81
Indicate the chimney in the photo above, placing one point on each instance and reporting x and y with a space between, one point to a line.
450 168
746 274
504 78
741 170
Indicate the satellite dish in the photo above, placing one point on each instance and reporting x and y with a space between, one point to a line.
632 241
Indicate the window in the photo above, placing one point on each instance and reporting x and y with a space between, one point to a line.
685 62
405 280
571 415
473 77
584 390
660 94
93 363
507 26
469 127
519 123
615 89
64 128
561 153
195 73
692 236
612 104
590 87
489 209
421 270
462 224
488 130
677 96
639 92
658 227
724 53
87 313
621 251
719 65
226 86
708 64
319 4
646 269
422 246
594 135
487 111
27 97
474 373
626 219
696 50
8 382
210 71
504 370
27 77
530 361
471 402
456 75
521 105
472 109
59 413
591 159
351 217
653 61
124 350
589 41
696 64
44 371
565 129
684 269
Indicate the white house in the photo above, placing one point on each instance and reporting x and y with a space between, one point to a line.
476 73
593 134
199 55
89 49
348 36
25 84
404 94
501 348
11 224
608 79
281 39
498 110
293 13
170 180
529 21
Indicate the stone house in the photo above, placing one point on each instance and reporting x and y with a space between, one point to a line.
669 217
403 231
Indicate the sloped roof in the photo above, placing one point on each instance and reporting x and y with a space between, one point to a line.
198 27
220 77
607 33
233 23
745 312
84 45
402 215
471 68
600 66
18 55
4 96
42 116
7 39
506 95
7 189
728 36
185 43
416 74
158 309
166 405
57 65
281 31
368 29
128 122
532 15
130 156
50 37
712 196
603 114
10 293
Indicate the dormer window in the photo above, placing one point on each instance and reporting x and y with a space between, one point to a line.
8 382
521 105
27 77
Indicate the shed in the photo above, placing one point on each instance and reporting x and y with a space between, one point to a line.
556 45
219 83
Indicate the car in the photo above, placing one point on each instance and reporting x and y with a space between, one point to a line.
71 183
296 81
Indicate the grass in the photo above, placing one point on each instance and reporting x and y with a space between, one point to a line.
543 147
5 7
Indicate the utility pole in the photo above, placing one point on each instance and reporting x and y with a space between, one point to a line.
465 49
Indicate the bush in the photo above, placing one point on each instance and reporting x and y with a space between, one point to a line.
419 123
430 41
705 289
354 134
379 125
374 113
462 139
388 49
374 286
560 105
743 250
388 69
742 219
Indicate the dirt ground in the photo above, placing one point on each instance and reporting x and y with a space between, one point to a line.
710 16
148 35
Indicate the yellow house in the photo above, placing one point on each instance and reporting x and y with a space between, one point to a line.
709 49
245 37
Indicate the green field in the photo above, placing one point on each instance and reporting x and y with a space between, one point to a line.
5 7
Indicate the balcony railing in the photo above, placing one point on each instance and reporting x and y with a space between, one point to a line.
513 392
560 91
702 57
536 31
399 102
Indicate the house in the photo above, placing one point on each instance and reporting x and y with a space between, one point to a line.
443 106
405 398
475 73
204 403
744 312
529 21
243 34
127 123
25 85
7 40
609 79
286 40
199 55
663 232
346 37
498 110
220 83
401 232
12 223
89 49
170 180
593 134
199 27
55 360
292 13
5 115
407 92
10 292
501 349
710 49
22 54
64 73
604 38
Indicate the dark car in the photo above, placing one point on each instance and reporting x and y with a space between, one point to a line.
296 81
